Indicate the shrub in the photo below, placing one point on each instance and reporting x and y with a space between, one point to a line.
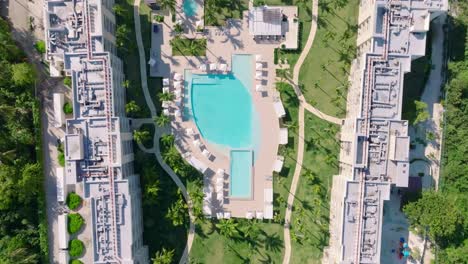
73 201
67 81
76 261
68 108
275 56
76 248
40 46
61 158
75 222
159 18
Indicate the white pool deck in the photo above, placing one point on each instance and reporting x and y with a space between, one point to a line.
222 43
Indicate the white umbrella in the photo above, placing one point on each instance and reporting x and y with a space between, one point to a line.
219 180
259 88
258 66
258 57
166 112
178 77
166 81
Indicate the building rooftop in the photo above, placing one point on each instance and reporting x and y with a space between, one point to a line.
265 20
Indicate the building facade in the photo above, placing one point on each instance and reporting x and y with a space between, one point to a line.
80 42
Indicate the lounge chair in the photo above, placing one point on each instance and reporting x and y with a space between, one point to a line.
213 66
258 66
189 131
227 215
222 67
165 89
197 143
202 67
258 75
166 82
206 153
259 88
178 76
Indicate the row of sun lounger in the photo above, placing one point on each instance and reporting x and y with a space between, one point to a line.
222 67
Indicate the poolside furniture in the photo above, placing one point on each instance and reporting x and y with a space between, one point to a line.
177 93
166 104
220 172
219 215
206 153
258 75
220 187
258 66
259 215
166 112
279 109
207 211
213 66
178 102
178 84
268 203
278 164
177 113
197 164
249 215
219 181
220 197
178 76
259 88
166 82
227 215
283 136
223 67
189 131
258 57
202 67
165 89
197 143
186 155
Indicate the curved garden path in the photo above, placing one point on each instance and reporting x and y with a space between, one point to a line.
300 146
159 132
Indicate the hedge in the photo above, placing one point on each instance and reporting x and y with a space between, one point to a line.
76 248
74 201
75 222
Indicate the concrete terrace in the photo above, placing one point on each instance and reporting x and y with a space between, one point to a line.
222 43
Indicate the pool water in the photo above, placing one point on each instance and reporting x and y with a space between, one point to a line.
190 7
241 174
221 106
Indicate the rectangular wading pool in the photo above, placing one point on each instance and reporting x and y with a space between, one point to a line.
240 182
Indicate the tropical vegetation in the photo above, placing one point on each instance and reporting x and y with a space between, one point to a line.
74 201
163 257
68 108
218 11
23 224
40 46
188 47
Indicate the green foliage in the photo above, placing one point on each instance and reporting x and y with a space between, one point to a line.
22 208
159 18
75 222
76 261
141 136
74 201
162 120
188 47
217 12
421 112
435 214
178 213
23 74
67 81
168 5
132 107
75 248
227 228
68 108
40 46
163 257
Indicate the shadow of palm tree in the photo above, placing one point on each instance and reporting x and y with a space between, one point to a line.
273 242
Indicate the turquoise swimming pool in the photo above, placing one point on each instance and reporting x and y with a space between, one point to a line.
241 174
190 7
221 106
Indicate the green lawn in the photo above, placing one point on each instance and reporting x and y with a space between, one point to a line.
309 224
324 74
217 11
188 47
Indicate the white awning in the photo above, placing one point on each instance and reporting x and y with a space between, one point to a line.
283 139
61 184
62 231
280 112
268 195
59 115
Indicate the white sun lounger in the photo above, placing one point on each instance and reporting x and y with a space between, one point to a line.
220 172
219 187
219 181
259 215
197 164
178 77
196 143
189 131
220 197
178 84
202 67
258 75
206 153
249 215
166 104
177 93
213 66
222 67
165 89
177 113
166 82
219 215
227 215
259 88
166 112
258 66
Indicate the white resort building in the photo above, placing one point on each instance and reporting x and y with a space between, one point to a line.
375 142
80 44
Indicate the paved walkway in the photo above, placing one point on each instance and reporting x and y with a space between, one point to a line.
300 148
157 134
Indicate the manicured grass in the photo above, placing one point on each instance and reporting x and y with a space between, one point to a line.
73 201
188 47
324 74
217 11
310 218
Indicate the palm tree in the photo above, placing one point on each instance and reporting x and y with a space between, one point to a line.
162 120
250 230
118 9
273 242
310 176
293 125
167 139
126 84
171 155
141 136
210 17
132 107
177 212
194 47
151 192
166 96
317 190
163 257
169 5
227 228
